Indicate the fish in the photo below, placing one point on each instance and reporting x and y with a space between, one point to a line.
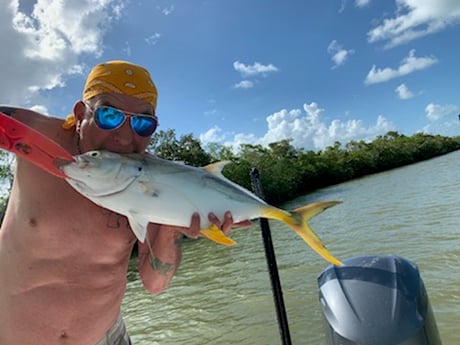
145 189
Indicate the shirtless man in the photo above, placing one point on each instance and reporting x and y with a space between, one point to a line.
63 259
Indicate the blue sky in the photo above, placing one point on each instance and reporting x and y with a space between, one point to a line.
249 71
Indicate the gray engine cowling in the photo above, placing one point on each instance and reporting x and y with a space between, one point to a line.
376 300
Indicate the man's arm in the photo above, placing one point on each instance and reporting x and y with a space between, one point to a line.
31 118
159 257
21 114
160 254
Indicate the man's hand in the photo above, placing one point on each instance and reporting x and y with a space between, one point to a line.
226 226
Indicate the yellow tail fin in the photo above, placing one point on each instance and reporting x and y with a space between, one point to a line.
297 220
215 234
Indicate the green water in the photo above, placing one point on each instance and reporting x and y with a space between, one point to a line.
223 295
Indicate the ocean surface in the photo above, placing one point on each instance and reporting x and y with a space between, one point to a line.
223 295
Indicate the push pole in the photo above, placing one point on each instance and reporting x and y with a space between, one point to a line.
272 266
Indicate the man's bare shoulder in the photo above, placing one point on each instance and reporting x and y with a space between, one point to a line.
41 122
21 114
27 116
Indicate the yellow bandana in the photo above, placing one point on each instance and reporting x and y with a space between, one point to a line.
118 77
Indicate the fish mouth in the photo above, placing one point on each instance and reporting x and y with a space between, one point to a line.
82 165
81 162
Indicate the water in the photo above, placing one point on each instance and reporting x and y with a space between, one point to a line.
223 295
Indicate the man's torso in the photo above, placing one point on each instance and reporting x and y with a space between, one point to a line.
63 261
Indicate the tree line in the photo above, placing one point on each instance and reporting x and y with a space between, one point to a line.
285 171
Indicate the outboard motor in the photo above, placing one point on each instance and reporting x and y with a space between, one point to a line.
376 300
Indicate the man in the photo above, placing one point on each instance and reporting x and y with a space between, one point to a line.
63 259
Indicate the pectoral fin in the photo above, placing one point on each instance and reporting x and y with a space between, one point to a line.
213 233
138 226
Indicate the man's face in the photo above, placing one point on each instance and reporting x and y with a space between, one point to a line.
123 139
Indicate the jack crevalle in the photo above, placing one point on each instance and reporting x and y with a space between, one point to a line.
148 189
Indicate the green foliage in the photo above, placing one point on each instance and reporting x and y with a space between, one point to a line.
187 149
6 179
286 172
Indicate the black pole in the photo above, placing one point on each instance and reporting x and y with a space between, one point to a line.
272 266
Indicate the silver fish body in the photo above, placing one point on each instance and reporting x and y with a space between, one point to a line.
148 189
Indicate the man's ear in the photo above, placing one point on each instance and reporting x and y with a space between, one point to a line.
79 110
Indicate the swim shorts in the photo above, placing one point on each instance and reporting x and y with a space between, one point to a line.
116 335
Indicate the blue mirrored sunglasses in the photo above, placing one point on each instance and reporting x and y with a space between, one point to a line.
109 118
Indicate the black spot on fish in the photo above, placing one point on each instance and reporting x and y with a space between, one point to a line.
33 222
24 148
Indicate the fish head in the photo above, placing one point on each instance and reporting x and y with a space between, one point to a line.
101 173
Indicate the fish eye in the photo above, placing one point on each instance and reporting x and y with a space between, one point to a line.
94 154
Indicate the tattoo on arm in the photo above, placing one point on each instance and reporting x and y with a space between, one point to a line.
157 265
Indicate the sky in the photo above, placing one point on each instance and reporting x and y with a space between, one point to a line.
248 71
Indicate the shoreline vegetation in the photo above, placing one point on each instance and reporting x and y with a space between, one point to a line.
285 171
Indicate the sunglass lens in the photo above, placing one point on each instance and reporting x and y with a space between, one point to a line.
108 118
144 125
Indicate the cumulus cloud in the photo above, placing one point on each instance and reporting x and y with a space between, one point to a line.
414 19
212 135
435 112
254 69
338 54
408 65
251 71
307 128
40 47
403 92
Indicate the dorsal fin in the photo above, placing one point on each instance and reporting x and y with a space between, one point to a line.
216 168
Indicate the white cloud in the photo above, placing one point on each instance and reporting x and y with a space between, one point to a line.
254 69
362 3
409 64
167 10
241 138
403 92
307 128
414 19
339 55
39 109
435 112
40 48
127 49
244 84
212 135
248 71
210 112
153 39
